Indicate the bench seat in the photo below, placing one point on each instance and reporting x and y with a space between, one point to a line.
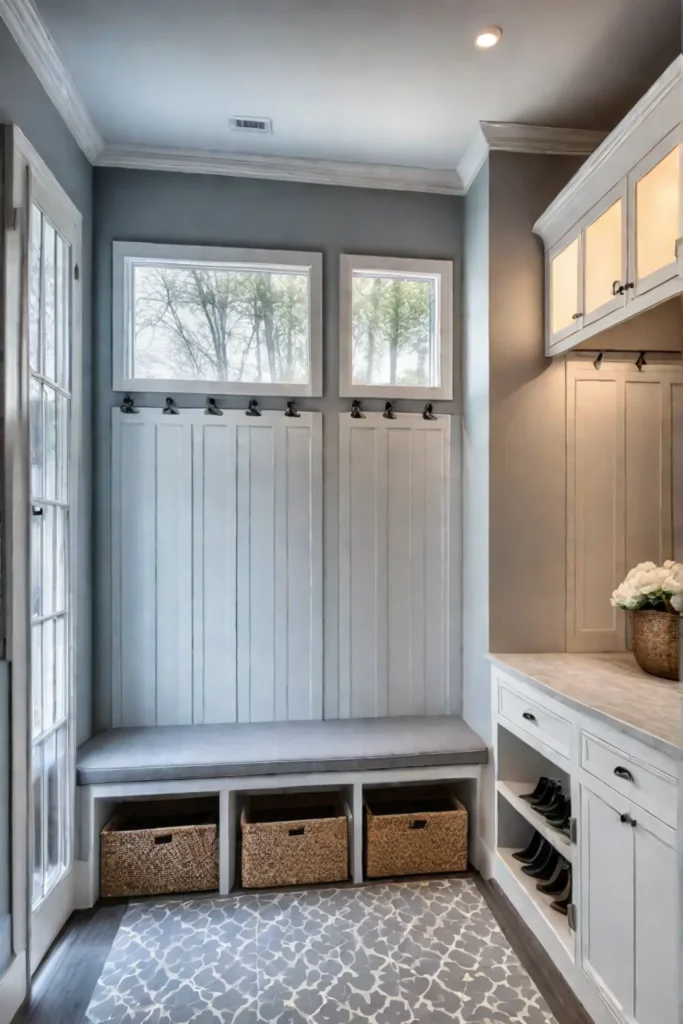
183 752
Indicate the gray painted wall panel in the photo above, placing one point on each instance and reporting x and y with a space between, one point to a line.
204 210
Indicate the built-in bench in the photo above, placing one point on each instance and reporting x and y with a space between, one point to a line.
227 760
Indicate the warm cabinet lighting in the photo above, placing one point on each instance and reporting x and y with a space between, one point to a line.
488 37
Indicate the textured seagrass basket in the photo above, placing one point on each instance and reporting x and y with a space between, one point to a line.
655 643
298 839
166 847
414 833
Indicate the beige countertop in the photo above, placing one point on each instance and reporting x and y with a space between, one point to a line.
611 687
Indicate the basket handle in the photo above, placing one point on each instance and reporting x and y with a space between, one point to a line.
158 840
418 823
300 831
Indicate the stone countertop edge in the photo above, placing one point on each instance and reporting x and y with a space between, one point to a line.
648 738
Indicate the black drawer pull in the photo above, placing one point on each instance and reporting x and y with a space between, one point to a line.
623 773
418 823
529 717
158 840
298 831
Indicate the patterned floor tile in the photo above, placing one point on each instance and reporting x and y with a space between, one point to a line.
425 952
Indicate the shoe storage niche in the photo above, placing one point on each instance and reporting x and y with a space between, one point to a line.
162 847
414 831
294 839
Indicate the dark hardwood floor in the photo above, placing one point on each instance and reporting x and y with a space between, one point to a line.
64 984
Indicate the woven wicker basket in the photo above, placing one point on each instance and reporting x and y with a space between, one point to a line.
655 642
414 833
294 840
148 849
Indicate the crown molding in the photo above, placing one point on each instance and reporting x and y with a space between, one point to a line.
312 172
38 47
671 79
496 136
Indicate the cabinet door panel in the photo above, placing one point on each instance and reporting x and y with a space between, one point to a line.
607 895
656 921
604 264
655 215
564 300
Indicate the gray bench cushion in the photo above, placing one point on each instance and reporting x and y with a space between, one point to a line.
170 753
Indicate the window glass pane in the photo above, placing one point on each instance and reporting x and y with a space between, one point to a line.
395 330
62 314
36 432
61 542
37 822
62 448
52 810
60 668
218 323
63 769
36 560
34 289
49 283
37 678
48 675
50 434
48 560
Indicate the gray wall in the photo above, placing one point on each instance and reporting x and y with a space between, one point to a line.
164 207
24 102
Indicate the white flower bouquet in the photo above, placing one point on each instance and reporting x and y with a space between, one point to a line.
651 587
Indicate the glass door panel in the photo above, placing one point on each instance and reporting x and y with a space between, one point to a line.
565 278
50 325
656 195
605 262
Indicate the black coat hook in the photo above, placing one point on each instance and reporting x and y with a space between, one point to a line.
641 361
128 406
428 413
253 409
389 413
212 409
171 409
292 410
597 362
356 412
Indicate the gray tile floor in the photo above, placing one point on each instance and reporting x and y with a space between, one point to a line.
393 953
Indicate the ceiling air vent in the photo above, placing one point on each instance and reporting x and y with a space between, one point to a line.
251 124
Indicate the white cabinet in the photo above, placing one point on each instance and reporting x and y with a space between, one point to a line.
614 235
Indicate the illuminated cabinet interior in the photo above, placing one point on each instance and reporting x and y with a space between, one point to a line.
657 201
564 289
604 262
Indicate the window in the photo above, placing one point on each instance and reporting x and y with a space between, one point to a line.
223 321
396 328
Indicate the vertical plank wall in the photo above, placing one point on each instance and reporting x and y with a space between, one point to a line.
624 487
217 568
393 565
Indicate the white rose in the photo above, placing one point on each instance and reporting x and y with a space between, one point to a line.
677 602
643 567
673 584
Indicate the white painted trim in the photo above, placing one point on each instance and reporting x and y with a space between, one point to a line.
128 254
12 989
523 138
442 272
308 171
606 152
38 47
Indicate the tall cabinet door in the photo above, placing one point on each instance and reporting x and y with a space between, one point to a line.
656 921
607 895
656 220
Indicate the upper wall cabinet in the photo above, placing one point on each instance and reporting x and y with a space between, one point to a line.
614 235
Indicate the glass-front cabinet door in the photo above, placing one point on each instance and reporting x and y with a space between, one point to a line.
605 257
564 293
656 221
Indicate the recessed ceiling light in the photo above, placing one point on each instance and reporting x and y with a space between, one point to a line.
488 37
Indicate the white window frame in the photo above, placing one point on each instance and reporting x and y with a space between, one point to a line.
127 254
439 270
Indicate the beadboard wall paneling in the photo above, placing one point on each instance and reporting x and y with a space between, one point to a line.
217 556
394 516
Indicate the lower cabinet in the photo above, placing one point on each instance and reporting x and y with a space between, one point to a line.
629 906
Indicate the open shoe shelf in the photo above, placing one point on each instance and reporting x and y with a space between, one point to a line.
511 791
558 922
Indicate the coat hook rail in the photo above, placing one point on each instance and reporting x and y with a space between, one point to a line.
212 409
128 406
253 409
170 408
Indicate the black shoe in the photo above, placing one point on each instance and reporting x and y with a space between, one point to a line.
553 791
531 852
561 905
558 883
562 821
543 868
538 792
556 815
546 793
556 807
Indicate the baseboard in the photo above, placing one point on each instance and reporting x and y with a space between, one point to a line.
12 989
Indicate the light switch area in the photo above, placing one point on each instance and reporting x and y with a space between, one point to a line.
658 215
564 272
603 257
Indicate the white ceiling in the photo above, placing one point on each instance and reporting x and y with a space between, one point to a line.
375 81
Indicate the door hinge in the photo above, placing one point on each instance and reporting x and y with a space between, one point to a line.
571 916
573 830
77 273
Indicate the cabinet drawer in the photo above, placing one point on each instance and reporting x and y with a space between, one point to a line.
642 783
535 719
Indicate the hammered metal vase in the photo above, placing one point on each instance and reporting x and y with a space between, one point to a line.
655 643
